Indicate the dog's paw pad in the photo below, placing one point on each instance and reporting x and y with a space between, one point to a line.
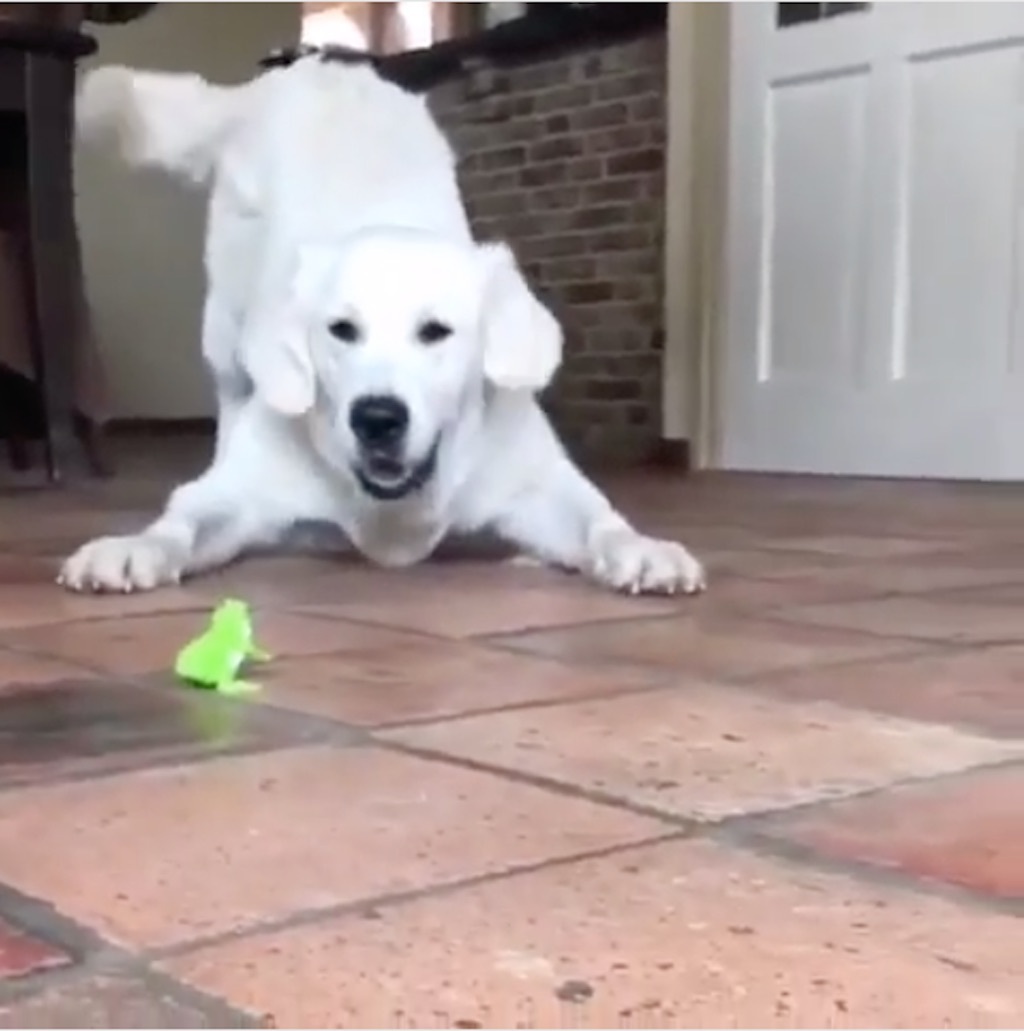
120 565
635 564
524 561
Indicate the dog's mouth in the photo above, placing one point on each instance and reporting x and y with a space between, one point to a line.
387 478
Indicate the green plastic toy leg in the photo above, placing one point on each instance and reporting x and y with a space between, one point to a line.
237 687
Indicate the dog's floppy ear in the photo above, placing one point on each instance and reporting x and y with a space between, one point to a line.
277 350
522 339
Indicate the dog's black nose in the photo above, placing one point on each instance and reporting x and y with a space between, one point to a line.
379 421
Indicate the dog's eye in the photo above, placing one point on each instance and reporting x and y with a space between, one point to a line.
344 330
433 332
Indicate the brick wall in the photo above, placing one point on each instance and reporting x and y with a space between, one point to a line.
565 159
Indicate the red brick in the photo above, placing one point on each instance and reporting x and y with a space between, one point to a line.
591 67
565 159
599 116
587 293
556 148
502 157
498 205
565 98
611 190
554 197
561 246
634 290
650 108
628 138
544 175
525 130
538 77
629 264
650 160
634 85
602 217
487 183
520 104
584 169
613 389
555 124
568 269
632 237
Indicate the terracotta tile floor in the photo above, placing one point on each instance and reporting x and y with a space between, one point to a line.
476 794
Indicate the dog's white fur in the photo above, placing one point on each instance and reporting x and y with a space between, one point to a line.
334 199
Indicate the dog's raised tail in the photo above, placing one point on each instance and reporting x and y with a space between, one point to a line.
174 122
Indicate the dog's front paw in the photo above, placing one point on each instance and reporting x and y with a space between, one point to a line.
122 564
636 564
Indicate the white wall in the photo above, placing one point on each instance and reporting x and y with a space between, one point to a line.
141 233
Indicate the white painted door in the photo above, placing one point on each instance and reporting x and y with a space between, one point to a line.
873 322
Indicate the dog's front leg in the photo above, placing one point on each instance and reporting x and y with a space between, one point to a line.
199 529
221 332
562 518
257 487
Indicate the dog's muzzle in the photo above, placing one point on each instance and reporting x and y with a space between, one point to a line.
380 425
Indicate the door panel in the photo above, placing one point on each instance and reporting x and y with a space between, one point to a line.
873 242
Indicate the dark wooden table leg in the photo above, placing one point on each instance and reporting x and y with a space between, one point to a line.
94 441
54 259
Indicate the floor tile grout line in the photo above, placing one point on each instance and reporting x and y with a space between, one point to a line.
763 615
325 733
951 594
941 595
477 638
88 948
218 1009
84 947
369 905
324 730
316 611
489 647
759 686
500 637
127 677
89 955
660 677
965 726
785 618
610 694
109 772
694 825
506 646
772 816
7 643
550 785
780 614
914 648
35 653
119 965
597 664
793 853
125 617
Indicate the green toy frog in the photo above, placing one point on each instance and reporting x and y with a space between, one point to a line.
214 659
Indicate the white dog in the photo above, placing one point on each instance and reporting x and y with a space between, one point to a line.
376 369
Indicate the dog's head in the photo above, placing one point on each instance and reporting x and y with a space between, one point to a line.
388 336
